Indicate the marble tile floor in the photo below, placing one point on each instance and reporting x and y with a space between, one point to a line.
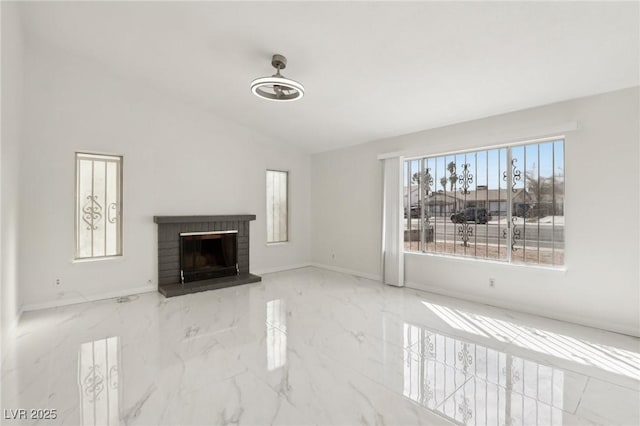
312 346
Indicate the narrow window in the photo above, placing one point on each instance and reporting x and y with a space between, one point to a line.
98 206
277 206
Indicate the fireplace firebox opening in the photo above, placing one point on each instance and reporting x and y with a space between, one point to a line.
205 255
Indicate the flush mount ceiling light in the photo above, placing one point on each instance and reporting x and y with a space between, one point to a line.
277 87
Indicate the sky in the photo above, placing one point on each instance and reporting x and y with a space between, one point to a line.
487 166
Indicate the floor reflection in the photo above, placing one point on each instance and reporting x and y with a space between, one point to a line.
313 346
472 384
276 324
609 358
98 380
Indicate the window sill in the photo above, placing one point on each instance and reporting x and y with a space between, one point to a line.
118 258
488 261
279 243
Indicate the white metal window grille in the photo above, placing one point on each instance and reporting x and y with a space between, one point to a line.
503 204
98 206
277 206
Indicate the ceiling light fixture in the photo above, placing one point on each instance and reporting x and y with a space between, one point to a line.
277 87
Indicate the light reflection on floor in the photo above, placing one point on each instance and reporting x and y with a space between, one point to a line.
98 382
276 325
491 387
608 358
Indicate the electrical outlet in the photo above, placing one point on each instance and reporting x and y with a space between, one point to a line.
58 282
492 282
333 256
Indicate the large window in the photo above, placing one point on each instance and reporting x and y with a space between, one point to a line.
277 206
98 206
504 204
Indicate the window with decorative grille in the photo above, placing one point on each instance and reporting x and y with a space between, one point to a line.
503 204
98 206
277 206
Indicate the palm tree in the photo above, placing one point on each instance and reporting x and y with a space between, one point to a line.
415 178
443 182
426 178
453 177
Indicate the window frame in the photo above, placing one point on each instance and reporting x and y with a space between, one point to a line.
119 159
288 238
509 203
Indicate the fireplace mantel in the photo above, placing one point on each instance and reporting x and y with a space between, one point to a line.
169 230
192 219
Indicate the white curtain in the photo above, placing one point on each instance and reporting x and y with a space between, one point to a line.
392 226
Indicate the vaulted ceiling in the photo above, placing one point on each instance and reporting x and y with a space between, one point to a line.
371 69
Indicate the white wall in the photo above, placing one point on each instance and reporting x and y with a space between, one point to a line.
178 160
600 286
12 48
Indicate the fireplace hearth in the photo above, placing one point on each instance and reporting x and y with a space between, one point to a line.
199 253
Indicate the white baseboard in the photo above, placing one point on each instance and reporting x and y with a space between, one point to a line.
13 323
517 307
279 269
88 298
19 315
367 275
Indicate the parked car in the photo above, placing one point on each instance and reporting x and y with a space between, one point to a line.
415 212
471 214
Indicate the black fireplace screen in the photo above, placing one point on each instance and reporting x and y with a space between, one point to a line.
208 255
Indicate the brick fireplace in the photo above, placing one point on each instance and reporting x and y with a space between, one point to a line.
195 253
